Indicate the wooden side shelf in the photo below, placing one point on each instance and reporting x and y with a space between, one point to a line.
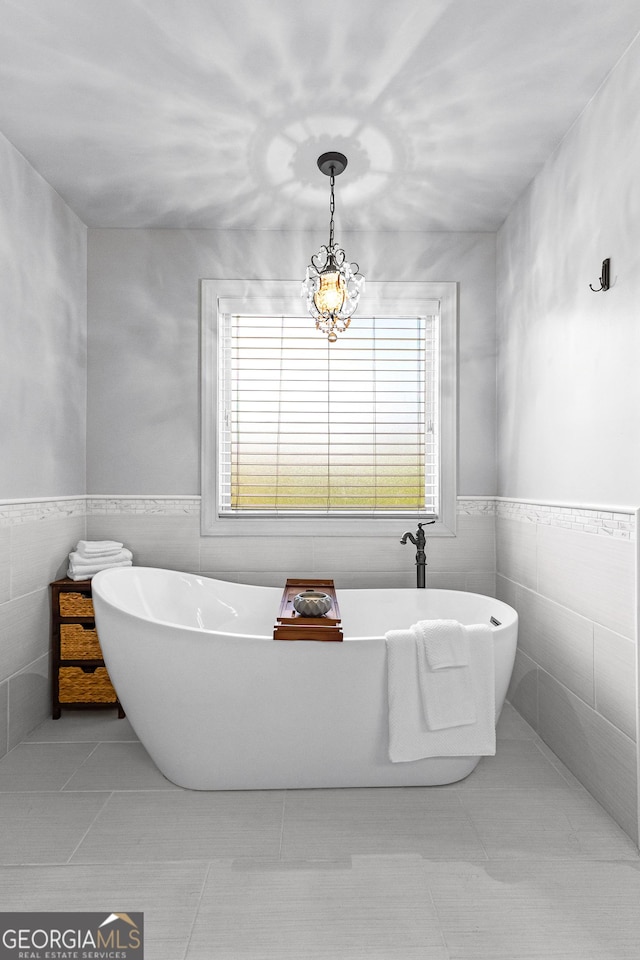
79 677
290 625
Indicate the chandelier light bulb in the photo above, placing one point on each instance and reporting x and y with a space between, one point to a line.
330 296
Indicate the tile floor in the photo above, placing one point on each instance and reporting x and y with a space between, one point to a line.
517 861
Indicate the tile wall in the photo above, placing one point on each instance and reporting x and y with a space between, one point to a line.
571 575
35 539
166 532
569 572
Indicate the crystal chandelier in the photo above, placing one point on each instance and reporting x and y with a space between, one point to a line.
332 285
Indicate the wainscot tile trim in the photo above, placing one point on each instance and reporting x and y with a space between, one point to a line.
615 521
13 512
99 506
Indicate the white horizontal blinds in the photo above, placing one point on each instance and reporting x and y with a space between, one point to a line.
224 412
318 428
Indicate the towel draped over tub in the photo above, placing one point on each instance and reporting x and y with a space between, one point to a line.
441 691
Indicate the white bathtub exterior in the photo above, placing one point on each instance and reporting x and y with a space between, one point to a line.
220 705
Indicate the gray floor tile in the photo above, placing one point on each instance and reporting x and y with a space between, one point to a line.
562 769
435 839
528 803
42 766
555 837
377 910
327 824
45 827
517 862
532 910
517 763
166 893
184 825
74 725
375 803
119 766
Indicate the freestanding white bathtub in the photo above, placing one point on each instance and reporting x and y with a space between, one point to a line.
220 705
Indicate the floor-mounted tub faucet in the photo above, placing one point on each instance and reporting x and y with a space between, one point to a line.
421 557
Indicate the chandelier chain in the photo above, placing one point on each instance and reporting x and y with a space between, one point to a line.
332 206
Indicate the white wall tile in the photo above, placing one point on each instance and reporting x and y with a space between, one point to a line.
364 553
24 629
259 578
516 551
29 699
558 640
40 552
508 591
156 541
615 679
473 547
367 580
5 564
523 689
261 554
442 579
480 581
596 752
592 575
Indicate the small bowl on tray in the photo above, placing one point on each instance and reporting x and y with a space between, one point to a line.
312 603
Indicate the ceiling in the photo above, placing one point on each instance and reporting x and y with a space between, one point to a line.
212 113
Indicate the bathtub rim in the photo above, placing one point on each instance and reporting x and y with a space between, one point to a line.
509 620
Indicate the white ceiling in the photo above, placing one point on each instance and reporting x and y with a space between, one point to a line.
212 113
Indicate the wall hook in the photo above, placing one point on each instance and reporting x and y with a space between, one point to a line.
604 277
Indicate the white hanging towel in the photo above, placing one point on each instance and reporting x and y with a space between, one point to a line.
409 736
444 674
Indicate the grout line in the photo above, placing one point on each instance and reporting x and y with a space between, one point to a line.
84 835
197 906
284 804
439 919
90 754
88 740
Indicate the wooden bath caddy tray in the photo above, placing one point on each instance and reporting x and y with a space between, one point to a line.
291 626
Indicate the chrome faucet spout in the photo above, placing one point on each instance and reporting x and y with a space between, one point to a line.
408 536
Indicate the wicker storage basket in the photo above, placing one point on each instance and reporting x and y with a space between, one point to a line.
76 686
75 605
78 643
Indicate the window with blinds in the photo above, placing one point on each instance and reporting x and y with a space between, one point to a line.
309 428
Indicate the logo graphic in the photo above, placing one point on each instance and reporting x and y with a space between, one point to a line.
71 936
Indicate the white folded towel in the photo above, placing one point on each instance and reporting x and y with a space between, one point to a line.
86 572
409 736
445 643
77 560
444 674
98 548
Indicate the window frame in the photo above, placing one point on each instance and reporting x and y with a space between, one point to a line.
284 296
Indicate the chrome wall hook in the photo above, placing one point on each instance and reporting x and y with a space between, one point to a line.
604 277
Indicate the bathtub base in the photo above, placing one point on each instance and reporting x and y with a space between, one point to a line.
434 772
